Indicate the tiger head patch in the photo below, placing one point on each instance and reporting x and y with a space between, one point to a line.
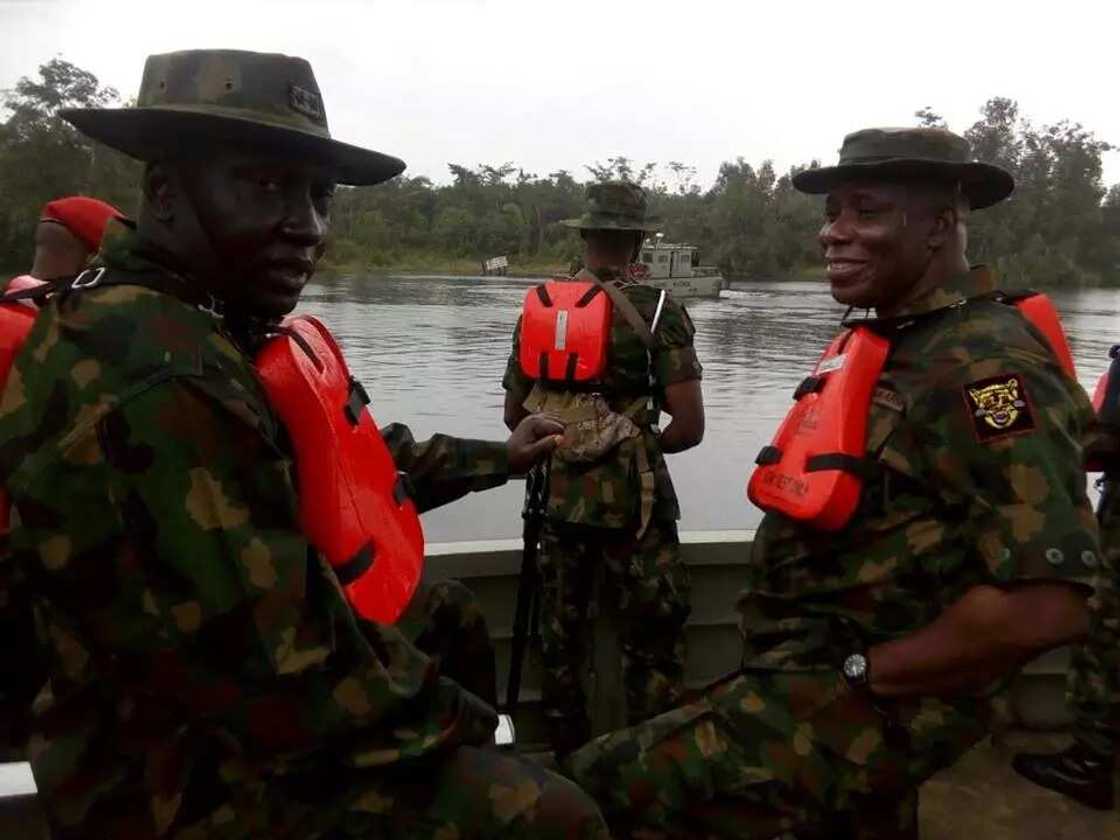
999 407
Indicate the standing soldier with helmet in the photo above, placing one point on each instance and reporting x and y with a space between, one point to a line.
606 356
209 670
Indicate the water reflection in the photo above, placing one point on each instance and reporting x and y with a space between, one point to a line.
431 352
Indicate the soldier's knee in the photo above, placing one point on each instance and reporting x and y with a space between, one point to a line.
455 602
565 806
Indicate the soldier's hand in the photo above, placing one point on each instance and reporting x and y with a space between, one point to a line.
534 438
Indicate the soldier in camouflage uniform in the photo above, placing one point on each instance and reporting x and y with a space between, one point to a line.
1084 771
871 654
205 676
611 503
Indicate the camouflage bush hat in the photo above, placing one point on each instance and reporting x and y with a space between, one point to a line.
897 154
614 205
196 97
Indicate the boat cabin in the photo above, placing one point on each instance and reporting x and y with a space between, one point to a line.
666 260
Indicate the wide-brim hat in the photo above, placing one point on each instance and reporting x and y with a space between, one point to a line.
615 205
911 154
201 96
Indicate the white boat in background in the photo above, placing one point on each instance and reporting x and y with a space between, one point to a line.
671 267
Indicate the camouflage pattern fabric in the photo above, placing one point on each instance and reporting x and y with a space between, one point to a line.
1095 668
206 677
446 622
605 493
649 582
947 506
594 514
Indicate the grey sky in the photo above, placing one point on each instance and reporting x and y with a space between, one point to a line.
556 85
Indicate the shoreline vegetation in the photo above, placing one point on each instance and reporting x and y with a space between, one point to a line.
1061 227
436 265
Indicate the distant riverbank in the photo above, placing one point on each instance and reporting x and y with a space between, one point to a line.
437 264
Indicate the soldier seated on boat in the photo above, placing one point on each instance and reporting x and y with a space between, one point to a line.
873 646
607 356
68 234
205 673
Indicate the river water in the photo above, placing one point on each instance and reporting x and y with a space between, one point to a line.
431 352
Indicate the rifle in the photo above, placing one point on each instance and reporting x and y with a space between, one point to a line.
526 613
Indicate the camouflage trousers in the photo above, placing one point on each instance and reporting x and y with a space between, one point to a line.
1094 684
471 792
650 585
762 755
446 622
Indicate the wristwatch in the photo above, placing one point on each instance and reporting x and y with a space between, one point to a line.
857 672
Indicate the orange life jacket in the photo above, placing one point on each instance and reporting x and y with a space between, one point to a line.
16 320
565 331
812 470
354 505
1106 403
1040 311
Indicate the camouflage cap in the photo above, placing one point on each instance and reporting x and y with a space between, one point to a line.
197 97
900 154
614 205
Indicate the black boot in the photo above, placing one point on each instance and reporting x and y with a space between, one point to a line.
1077 772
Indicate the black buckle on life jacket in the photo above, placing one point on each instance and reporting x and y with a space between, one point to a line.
838 461
542 293
356 400
402 490
356 566
768 455
809 385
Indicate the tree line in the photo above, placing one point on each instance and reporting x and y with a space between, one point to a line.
1059 228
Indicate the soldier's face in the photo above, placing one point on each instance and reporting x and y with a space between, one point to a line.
875 242
265 218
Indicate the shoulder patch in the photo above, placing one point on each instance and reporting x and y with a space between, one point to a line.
999 407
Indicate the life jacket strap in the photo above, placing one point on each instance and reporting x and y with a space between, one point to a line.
588 296
356 400
356 566
839 461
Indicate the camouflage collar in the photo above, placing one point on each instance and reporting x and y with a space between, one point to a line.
123 249
978 281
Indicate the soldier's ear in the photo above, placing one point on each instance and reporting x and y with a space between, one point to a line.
160 191
942 227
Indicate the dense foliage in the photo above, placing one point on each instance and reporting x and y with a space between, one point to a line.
1060 227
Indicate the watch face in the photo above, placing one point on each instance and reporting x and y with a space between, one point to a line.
855 667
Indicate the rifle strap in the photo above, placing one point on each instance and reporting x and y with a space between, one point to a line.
625 306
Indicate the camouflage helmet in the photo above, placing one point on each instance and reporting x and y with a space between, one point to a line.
614 205
193 98
898 154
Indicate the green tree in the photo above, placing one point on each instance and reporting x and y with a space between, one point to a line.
41 157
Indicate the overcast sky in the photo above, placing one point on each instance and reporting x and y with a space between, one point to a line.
555 85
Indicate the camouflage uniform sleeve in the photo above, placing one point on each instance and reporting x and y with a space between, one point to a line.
444 468
675 359
1003 443
514 380
231 617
